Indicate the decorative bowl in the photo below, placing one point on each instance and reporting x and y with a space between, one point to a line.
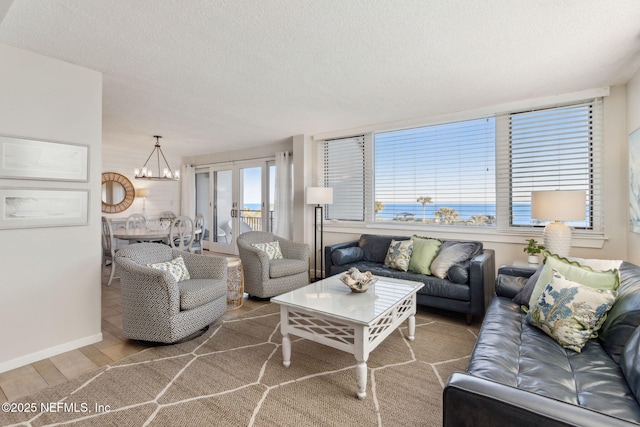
357 281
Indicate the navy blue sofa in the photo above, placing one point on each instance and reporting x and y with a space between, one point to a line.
467 289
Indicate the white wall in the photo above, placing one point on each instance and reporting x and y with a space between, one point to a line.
50 286
164 195
633 123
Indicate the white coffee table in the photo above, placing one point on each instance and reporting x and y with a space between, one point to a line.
328 312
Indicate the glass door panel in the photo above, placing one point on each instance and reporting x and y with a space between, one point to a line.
203 205
223 206
251 216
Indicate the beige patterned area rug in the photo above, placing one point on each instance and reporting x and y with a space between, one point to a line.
233 376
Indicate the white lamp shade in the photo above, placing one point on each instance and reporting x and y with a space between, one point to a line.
558 205
319 195
142 192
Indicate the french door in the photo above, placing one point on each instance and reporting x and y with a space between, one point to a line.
234 198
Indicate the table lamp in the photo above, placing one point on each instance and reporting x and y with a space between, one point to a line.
144 193
318 196
558 206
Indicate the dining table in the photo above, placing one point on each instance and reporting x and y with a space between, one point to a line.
142 234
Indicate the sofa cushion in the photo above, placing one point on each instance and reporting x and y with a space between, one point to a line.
630 362
449 254
459 273
399 254
175 267
375 247
433 286
424 252
573 271
287 267
197 292
569 312
346 255
624 317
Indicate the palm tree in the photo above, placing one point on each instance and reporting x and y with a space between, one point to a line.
447 215
424 200
378 207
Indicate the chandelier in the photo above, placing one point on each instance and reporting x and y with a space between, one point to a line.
163 174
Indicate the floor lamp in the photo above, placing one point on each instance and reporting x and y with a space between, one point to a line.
318 196
558 206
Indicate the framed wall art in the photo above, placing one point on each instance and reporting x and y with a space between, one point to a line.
634 181
30 208
32 159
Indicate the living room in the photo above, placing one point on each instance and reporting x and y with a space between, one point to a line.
51 275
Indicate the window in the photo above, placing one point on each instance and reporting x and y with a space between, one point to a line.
342 162
553 149
472 173
442 174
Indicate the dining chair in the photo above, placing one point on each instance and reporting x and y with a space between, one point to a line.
197 246
108 251
182 233
136 221
167 215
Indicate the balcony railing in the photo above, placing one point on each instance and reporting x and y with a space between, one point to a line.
254 219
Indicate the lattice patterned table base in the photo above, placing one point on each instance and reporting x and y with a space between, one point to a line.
356 338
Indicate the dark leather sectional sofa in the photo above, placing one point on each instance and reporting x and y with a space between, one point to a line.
467 289
519 376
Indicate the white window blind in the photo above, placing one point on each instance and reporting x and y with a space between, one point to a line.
342 165
442 174
556 148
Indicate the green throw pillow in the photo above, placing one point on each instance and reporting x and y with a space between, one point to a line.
272 249
575 272
399 254
569 312
424 251
176 268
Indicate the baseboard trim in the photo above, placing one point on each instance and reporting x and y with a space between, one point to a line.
49 352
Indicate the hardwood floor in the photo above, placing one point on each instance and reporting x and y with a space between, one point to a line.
55 370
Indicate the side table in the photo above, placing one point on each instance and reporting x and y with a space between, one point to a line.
235 283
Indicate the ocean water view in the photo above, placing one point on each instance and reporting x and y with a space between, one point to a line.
478 213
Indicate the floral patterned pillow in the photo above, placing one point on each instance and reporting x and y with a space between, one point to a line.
569 312
176 268
272 249
399 254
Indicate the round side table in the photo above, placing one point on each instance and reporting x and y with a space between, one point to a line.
235 284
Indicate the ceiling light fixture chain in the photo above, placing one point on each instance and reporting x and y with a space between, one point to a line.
163 175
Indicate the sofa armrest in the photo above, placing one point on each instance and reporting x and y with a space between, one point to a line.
474 401
512 270
511 279
328 250
150 289
482 278
294 250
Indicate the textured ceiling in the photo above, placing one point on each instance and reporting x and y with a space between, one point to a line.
214 76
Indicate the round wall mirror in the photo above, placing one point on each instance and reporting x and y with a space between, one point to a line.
117 192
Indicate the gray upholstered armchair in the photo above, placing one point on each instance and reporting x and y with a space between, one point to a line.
265 278
158 308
